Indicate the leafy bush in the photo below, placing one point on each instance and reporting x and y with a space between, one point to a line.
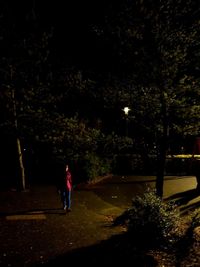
150 220
94 166
195 219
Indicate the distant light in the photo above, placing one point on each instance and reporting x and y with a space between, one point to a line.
184 156
126 110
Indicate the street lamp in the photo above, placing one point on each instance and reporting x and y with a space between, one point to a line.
126 111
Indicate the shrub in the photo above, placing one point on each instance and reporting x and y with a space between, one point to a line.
195 219
151 220
94 166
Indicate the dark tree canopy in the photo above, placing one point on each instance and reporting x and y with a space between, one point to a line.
68 69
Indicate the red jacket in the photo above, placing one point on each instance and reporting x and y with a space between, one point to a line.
68 180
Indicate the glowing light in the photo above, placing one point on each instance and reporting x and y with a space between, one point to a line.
126 110
184 156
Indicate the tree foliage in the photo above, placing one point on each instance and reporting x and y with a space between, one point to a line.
155 48
144 55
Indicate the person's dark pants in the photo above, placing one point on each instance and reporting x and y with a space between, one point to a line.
66 199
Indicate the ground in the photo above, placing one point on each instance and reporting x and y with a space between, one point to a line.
36 231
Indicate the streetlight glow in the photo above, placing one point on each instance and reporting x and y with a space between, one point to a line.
126 110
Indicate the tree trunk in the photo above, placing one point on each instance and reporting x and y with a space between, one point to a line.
163 144
22 170
19 150
161 170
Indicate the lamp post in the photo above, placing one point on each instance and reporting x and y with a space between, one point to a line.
126 111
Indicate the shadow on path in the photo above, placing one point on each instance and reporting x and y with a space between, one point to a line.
114 251
190 208
183 198
33 212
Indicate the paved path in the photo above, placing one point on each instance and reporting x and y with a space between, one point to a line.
34 228
120 190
